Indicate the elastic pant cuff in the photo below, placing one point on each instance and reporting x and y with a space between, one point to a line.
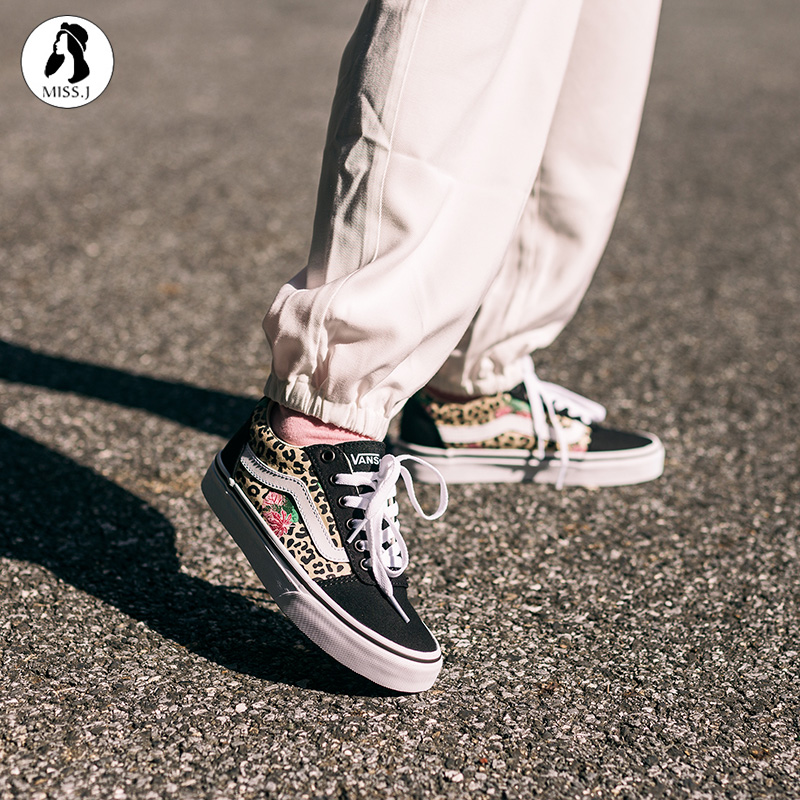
298 395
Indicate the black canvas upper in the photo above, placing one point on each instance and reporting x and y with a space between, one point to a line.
370 607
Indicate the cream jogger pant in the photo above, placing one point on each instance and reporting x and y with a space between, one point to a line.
476 155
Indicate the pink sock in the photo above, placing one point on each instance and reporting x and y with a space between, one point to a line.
301 430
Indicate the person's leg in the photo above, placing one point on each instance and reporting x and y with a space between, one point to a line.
570 213
436 134
472 422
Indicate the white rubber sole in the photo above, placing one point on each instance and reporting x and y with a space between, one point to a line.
612 468
326 623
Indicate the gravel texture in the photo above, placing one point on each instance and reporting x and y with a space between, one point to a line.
626 643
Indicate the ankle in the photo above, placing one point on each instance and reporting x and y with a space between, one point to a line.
302 430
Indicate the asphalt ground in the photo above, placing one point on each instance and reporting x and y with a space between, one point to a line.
624 643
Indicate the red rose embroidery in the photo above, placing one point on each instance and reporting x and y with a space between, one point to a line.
272 499
279 521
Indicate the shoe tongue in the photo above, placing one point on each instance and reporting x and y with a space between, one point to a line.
518 392
363 456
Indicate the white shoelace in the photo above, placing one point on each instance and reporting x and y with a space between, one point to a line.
387 555
555 399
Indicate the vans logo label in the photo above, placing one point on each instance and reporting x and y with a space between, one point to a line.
365 459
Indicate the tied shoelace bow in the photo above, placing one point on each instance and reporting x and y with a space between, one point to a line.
387 555
555 399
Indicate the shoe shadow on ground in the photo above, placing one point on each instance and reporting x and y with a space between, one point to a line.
205 410
107 542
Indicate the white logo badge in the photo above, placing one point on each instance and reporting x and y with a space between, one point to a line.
365 459
67 62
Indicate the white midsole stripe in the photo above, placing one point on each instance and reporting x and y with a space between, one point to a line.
298 491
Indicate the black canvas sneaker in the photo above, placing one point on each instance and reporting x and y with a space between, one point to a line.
538 432
319 526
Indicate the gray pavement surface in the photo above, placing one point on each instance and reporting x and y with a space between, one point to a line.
625 643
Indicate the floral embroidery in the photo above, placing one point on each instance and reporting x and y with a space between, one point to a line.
279 512
273 499
520 407
279 521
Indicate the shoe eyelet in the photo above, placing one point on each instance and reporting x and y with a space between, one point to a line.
340 502
351 524
332 479
364 564
327 456
360 545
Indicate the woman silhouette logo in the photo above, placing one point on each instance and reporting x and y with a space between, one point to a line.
68 57
67 61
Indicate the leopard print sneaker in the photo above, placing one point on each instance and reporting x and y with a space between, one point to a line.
319 526
537 431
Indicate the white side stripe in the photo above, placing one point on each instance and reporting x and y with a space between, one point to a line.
508 423
301 497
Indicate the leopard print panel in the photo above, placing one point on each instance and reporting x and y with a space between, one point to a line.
505 441
474 412
484 409
291 460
